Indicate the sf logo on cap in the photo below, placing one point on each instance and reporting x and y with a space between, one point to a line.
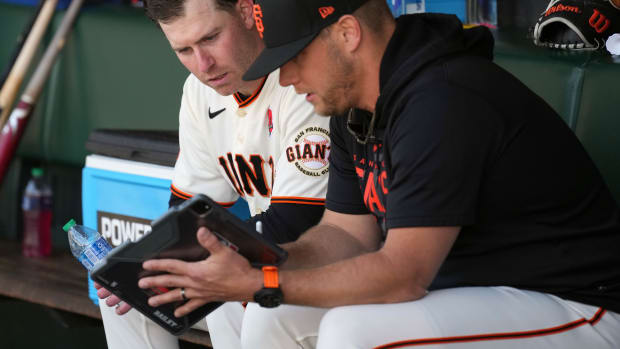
258 19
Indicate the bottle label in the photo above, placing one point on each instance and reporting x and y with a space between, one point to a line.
32 203
94 253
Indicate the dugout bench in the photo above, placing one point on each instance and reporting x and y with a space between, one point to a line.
117 71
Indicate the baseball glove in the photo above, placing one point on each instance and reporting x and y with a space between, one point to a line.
577 24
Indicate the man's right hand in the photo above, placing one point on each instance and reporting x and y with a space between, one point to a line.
112 300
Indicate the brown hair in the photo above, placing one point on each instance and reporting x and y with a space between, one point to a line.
374 14
167 10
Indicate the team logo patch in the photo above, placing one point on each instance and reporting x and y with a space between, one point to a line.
310 153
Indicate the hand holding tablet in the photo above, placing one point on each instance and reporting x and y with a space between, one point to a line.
173 241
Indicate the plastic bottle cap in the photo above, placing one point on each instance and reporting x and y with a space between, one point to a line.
68 226
36 172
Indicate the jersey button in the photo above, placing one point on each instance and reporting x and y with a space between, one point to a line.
241 112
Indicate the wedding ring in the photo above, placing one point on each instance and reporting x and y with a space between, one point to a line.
183 294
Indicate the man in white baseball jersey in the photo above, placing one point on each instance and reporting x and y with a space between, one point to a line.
250 139
461 210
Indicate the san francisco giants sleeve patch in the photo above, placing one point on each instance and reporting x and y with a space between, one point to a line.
310 151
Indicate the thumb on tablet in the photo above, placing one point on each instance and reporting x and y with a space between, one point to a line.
208 240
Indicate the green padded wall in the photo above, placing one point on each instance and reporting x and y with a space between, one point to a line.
12 19
598 125
554 75
580 86
116 71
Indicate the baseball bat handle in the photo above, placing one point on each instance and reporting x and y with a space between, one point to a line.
11 86
36 83
21 39
11 133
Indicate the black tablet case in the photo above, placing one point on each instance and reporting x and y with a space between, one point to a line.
175 237
152 146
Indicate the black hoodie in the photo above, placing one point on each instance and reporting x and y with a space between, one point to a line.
461 142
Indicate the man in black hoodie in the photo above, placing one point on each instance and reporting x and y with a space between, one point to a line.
461 211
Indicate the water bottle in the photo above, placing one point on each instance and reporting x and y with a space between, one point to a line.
37 215
86 244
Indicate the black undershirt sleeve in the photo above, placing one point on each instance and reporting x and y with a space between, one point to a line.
286 222
175 200
281 222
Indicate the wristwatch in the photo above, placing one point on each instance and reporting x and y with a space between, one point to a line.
270 296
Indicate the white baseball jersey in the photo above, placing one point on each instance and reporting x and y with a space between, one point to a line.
269 148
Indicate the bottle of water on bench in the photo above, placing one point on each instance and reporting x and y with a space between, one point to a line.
87 245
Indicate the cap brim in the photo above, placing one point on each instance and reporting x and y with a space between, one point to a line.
273 58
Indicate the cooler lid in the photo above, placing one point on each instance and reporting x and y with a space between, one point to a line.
123 166
150 146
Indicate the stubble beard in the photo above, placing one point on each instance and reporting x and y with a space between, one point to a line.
337 97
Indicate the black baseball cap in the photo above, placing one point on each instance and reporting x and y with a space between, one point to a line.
287 26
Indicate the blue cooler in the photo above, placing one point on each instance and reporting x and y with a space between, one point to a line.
456 7
126 184
121 197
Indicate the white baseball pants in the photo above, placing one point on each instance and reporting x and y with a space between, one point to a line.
135 331
458 318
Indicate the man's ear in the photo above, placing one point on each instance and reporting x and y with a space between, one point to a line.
348 32
246 11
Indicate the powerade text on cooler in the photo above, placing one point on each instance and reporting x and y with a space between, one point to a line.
87 245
